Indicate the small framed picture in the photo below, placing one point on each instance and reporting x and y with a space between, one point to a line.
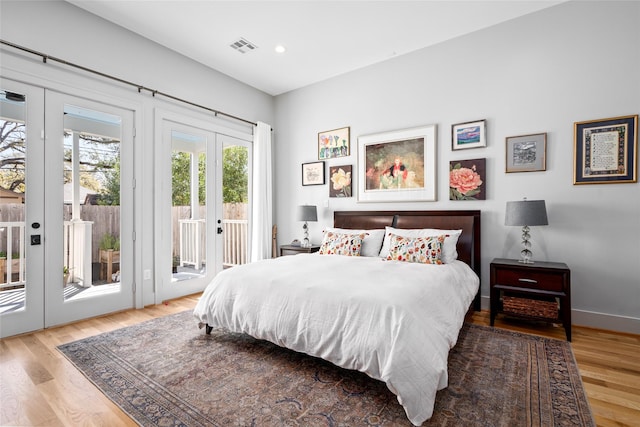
526 153
313 173
468 179
333 143
606 151
340 177
469 135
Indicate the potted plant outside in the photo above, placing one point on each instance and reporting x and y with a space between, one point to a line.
109 254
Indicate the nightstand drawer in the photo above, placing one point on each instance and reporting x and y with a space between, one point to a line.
295 250
286 252
531 279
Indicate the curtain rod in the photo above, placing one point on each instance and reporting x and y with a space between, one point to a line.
140 88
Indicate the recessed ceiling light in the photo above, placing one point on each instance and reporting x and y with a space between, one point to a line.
280 49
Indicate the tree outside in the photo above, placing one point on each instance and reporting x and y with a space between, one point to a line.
235 176
99 161
235 181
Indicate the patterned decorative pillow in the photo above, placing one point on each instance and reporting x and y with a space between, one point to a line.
341 244
425 250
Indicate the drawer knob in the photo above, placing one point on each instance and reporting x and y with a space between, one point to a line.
528 280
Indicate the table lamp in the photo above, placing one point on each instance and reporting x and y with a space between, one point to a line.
526 213
307 213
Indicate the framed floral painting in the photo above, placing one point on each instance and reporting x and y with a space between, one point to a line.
340 177
467 179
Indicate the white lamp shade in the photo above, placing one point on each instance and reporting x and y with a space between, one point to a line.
526 212
307 213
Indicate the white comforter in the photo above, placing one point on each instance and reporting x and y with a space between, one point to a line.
395 321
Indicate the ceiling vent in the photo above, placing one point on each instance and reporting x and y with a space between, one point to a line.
243 46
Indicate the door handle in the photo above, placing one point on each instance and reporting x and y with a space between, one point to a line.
219 230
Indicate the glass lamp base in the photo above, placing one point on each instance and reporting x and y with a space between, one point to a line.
525 253
305 242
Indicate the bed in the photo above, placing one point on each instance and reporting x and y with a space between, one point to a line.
391 319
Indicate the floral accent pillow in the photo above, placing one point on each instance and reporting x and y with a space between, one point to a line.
341 244
425 250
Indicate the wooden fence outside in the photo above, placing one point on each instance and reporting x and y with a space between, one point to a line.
106 219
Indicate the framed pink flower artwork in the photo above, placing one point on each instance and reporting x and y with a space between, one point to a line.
467 179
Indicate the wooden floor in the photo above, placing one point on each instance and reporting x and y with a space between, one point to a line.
39 387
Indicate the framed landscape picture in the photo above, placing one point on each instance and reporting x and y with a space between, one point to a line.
606 151
468 135
526 153
397 166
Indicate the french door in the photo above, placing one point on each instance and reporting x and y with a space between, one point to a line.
200 234
89 208
66 174
21 208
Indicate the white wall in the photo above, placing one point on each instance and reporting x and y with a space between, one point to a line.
539 73
61 30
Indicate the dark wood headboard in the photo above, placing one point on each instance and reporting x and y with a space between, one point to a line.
466 220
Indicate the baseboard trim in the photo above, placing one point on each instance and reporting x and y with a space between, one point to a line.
592 319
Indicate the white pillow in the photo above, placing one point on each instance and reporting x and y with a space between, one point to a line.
449 251
372 242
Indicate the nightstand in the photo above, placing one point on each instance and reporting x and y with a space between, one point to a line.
538 291
295 250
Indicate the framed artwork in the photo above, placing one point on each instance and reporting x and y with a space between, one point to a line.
340 177
468 135
526 153
606 151
467 179
333 143
398 166
313 173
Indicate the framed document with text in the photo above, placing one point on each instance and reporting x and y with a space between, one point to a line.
606 151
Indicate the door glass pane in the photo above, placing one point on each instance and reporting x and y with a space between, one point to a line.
91 208
189 206
235 189
12 196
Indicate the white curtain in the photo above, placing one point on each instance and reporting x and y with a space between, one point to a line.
262 200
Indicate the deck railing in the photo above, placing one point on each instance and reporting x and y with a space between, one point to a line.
236 242
193 242
77 248
13 238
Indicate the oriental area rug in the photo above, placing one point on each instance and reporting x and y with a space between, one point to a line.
167 372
